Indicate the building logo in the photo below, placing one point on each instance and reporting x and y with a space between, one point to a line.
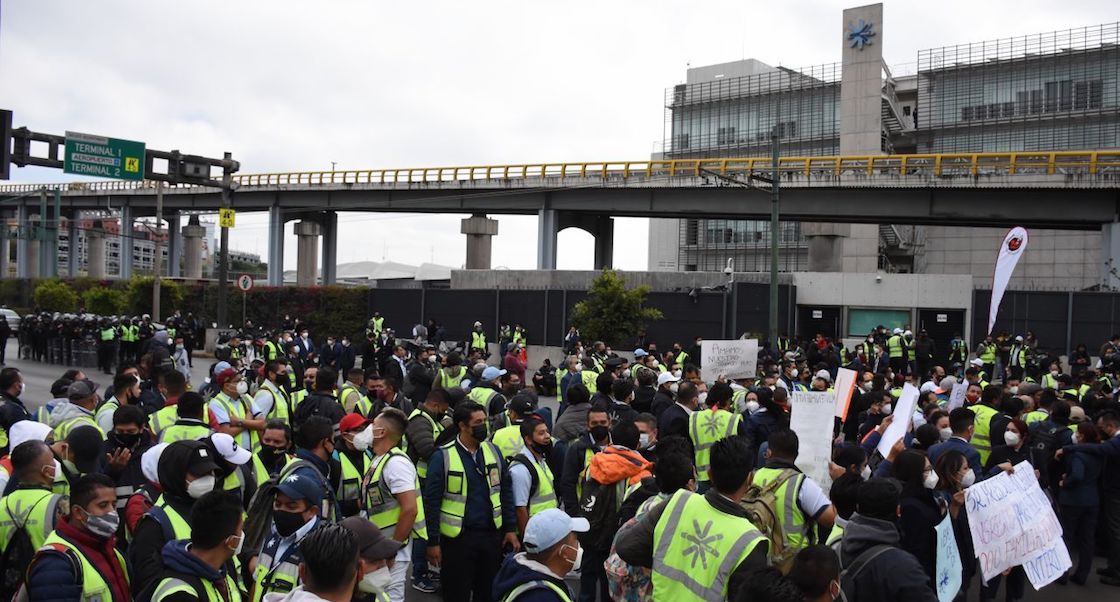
860 34
1014 244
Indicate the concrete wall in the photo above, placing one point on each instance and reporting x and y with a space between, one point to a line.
893 290
580 280
1054 259
664 244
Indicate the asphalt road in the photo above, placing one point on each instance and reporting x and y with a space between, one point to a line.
38 378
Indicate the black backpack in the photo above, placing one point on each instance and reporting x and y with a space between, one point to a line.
599 504
18 554
1044 443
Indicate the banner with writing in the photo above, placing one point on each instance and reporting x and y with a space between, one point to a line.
729 359
811 417
956 398
1012 524
948 562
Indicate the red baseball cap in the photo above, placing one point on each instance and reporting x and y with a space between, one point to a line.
224 376
353 422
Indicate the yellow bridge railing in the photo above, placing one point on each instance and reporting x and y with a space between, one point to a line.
954 165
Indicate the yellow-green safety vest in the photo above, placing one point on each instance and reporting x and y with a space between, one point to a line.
1036 416
108 334
894 346
437 429
350 483
987 353
185 431
363 407
544 498
697 548
279 402
347 388
478 341
32 510
508 440
447 381
163 418
588 377
381 506
282 578
705 429
170 586
108 407
981 439
94 586
529 586
789 512
454 505
378 324
63 429
482 396
241 410
298 397
235 481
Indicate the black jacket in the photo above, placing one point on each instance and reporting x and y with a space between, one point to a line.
673 421
574 462
892 576
662 400
319 403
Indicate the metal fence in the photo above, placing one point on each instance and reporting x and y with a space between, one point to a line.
1060 320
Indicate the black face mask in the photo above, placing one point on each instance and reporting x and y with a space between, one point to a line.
600 433
287 522
542 448
271 455
125 441
479 432
309 384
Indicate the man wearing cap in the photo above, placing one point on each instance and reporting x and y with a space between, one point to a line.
897 351
78 409
486 392
352 454
202 567
666 394
59 388
552 550
295 514
478 341
508 436
390 499
240 472
235 411
376 559
1017 360
469 522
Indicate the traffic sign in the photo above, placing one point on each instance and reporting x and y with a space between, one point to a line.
245 282
226 217
89 155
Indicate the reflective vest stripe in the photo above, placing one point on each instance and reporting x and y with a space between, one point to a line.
793 520
454 505
718 425
94 586
516 592
383 510
437 429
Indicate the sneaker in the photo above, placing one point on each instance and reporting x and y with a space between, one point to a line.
433 576
424 585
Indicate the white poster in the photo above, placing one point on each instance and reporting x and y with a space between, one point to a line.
1012 523
1009 253
729 359
956 397
845 386
948 562
812 418
903 415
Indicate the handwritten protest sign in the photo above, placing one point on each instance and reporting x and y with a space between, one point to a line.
1012 523
956 398
730 359
845 385
948 562
811 417
903 415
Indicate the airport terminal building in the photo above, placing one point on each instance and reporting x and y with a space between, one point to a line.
1055 91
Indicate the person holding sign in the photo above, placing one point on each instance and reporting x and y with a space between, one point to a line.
706 428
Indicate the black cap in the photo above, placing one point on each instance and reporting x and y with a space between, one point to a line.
201 462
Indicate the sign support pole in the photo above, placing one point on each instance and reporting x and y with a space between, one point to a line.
158 259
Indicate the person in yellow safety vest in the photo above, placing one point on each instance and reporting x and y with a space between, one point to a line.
79 561
235 411
351 452
1017 358
240 472
376 324
390 497
376 560
486 393
297 396
203 567
804 504
552 549
295 514
478 340
31 505
425 425
189 424
276 446
531 481
589 374
106 347
172 386
78 410
452 374
680 357
507 431
911 353
126 391
519 336
700 547
896 351
594 439
468 521
706 428
973 376
1050 378
271 398
985 412
351 392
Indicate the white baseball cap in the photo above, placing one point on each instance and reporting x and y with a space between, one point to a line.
547 528
977 362
27 430
666 377
229 450
149 462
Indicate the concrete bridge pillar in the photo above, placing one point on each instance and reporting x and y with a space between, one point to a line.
23 259
174 245
95 253
1110 256
599 226
73 257
480 231
275 246
330 246
193 233
547 231
127 242
5 245
307 252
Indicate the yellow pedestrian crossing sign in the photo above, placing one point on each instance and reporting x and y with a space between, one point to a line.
226 218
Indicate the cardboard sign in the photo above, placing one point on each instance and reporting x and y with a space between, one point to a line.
903 416
845 387
729 359
948 571
811 417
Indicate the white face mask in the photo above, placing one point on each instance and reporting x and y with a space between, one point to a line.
752 406
865 474
867 386
673 388
793 373
704 399
1054 373
364 439
240 543
1015 390
579 557
201 486
1011 438
1076 438
677 373
946 434
931 480
242 387
887 409
969 479
375 582
643 440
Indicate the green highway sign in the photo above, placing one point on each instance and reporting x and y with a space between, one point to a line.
89 155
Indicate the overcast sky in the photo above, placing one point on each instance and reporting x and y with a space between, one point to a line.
293 86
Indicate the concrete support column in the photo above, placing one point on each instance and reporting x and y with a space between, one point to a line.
480 231
95 253
74 256
547 231
330 246
174 245
307 252
604 242
826 245
34 248
275 246
5 245
1110 256
193 233
127 242
23 260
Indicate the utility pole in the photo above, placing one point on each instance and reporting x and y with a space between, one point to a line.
223 249
776 177
158 259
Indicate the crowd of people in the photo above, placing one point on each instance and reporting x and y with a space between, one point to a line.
303 470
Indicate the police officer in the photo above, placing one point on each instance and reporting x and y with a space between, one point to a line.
202 568
106 346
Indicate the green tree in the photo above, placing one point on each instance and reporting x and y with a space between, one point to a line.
612 313
139 296
103 301
55 295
